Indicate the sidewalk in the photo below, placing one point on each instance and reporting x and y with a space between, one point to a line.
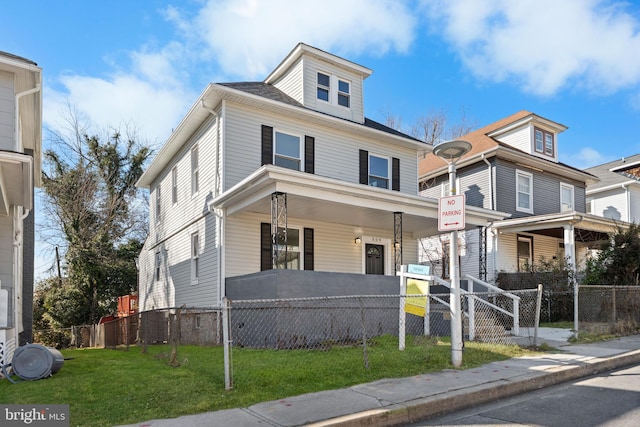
400 401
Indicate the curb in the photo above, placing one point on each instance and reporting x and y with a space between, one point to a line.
421 409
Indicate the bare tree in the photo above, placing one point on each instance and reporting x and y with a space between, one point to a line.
435 127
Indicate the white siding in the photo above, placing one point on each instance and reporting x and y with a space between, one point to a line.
334 246
336 153
291 82
634 204
356 110
507 253
520 138
611 204
7 111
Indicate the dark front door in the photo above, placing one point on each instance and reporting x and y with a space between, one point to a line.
375 259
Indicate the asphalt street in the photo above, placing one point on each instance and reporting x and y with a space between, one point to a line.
608 399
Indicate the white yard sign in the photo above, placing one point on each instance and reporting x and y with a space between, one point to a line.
451 213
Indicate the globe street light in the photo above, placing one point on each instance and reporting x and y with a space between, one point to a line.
451 152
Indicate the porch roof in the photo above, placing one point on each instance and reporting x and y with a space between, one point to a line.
329 200
588 227
16 182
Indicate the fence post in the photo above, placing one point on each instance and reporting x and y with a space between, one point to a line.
537 319
402 315
471 301
365 353
516 316
228 380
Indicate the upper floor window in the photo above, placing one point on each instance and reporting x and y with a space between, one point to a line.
344 93
195 171
195 258
378 171
566 197
287 151
334 90
324 86
524 192
174 185
544 142
158 203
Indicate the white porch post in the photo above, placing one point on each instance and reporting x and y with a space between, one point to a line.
570 253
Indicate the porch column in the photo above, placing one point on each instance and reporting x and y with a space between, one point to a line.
397 240
279 228
570 254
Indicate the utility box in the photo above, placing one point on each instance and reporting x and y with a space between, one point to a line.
127 305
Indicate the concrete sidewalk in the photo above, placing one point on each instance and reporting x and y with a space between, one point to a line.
400 401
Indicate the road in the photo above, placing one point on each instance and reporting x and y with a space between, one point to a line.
608 399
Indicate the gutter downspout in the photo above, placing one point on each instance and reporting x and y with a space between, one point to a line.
18 134
625 187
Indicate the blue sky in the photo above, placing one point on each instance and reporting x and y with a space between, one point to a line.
145 62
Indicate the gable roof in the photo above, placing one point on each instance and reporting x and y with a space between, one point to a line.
483 145
615 173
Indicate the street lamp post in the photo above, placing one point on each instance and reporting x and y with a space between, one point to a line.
451 152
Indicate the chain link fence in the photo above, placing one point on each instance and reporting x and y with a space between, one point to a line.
372 327
609 309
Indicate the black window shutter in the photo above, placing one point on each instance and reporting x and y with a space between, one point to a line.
266 260
267 145
395 174
308 248
364 167
309 154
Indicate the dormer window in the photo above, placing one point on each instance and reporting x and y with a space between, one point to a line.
324 86
343 93
334 90
544 142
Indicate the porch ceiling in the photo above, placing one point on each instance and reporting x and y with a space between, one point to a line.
16 183
329 200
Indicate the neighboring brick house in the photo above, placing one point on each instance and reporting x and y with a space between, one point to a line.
513 167
20 165
283 188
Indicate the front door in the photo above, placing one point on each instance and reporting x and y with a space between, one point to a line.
374 259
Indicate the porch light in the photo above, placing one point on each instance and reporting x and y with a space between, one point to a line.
397 245
451 152
358 240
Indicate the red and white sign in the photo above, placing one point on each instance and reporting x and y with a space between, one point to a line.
451 213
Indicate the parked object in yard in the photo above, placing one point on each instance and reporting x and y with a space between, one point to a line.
33 362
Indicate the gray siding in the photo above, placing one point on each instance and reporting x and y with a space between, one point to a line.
546 191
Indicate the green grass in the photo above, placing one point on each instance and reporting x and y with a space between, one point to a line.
561 325
111 387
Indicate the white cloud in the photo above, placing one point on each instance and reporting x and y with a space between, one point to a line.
248 37
586 157
544 45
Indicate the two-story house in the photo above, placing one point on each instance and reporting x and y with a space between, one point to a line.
513 167
20 157
617 193
283 188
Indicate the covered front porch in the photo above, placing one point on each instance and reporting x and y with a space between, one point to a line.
307 222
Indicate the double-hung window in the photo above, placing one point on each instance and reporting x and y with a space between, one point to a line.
195 171
287 152
158 204
333 89
525 253
378 171
324 86
174 185
544 142
157 266
195 258
524 192
566 197
344 93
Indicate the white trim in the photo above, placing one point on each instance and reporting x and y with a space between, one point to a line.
572 206
300 148
300 244
389 169
530 176
195 171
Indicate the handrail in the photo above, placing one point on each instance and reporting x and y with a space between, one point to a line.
490 286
